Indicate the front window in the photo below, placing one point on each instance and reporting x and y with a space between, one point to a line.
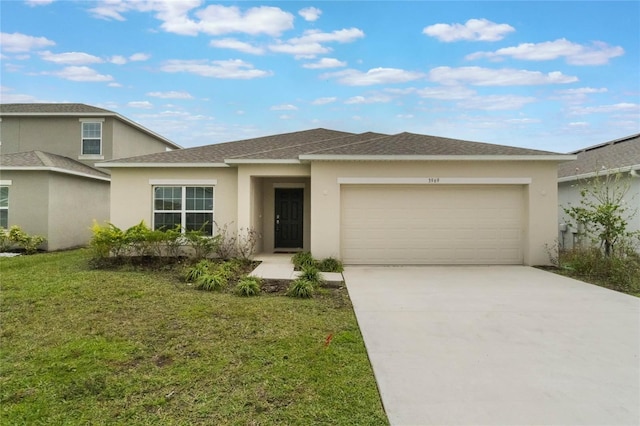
4 207
190 207
91 138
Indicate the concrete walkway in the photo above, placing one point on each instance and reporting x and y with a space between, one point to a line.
498 346
278 266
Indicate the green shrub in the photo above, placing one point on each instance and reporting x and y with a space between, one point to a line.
211 282
199 269
203 245
311 274
330 265
137 238
303 259
108 240
5 241
17 237
248 286
301 288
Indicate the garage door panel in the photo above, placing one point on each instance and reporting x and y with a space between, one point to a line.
416 224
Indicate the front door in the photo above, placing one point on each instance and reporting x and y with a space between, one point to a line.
289 217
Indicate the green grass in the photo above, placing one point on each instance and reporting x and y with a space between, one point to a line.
83 346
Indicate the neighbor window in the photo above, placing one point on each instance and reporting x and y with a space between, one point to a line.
4 207
91 138
190 207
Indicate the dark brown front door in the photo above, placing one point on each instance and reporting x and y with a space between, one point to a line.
289 217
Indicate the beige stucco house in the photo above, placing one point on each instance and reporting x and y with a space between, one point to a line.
364 198
619 156
48 182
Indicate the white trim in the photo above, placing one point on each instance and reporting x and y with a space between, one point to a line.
91 120
82 138
90 157
290 185
56 170
5 182
259 161
599 173
435 180
551 157
183 182
173 165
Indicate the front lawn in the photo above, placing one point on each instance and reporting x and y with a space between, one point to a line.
128 346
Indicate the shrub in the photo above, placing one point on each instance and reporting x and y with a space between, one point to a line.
199 269
301 288
247 241
311 274
331 265
211 281
227 247
302 259
5 241
248 286
137 239
16 236
203 245
108 240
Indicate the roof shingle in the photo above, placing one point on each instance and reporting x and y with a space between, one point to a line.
65 108
30 159
619 153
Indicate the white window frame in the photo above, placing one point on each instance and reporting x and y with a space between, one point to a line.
159 183
84 156
5 184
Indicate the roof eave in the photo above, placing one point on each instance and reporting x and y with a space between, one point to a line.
55 170
550 157
590 175
108 165
259 161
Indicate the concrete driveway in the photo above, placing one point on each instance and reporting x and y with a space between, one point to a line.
508 345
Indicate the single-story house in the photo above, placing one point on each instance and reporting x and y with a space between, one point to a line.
616 156
364 198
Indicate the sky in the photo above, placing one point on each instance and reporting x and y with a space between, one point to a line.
551 75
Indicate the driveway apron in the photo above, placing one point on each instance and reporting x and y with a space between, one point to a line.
498 345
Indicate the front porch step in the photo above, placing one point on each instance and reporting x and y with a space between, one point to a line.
283 271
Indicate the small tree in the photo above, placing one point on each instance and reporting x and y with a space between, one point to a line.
603 212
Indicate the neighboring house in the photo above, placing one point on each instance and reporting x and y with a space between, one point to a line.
364 198
617 156
48 182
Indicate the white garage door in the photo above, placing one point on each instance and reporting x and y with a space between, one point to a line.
432 224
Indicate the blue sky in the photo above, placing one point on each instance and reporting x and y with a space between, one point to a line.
549 75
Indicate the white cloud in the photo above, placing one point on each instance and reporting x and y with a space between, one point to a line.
478 76
310 43
139 57
6 96
310 14
17 42
241 46
496 102
325 63
70 58
34 3
213 19
324 101
118 60
473 30
229 69
80 73
113 84
284 107
285 117
579 124
523 121
140 104
373 99
353 77
582 91
598 53
170 95
405 116
622 107
446 92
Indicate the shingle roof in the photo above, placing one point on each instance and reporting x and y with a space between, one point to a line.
618 153
35 108
424 145
217 153
291 146
31 159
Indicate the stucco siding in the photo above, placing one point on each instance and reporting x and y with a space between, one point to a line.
28 200
540 196
132 193
74 203
130 142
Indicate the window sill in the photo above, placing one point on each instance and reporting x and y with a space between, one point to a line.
91 157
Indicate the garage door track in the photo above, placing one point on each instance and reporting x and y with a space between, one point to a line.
489 345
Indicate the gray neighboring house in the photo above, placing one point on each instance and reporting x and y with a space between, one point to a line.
49 184
616 156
